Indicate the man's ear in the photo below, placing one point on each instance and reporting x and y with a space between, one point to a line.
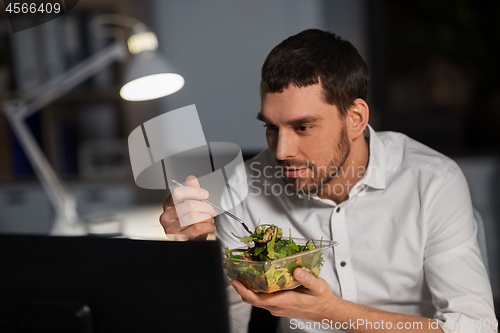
357 118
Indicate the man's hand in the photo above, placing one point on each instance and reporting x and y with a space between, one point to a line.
313 300
184 207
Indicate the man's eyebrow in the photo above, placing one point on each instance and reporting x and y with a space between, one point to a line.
304 120
294 122
261 117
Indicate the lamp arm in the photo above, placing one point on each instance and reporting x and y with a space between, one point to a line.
18 110
63 201
68 80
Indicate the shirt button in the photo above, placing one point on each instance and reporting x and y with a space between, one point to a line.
338 209
343 263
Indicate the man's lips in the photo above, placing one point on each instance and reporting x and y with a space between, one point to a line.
295 172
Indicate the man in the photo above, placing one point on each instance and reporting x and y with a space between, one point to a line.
400 211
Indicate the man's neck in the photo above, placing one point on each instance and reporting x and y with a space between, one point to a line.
348 174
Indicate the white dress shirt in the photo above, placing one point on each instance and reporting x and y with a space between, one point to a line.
406 234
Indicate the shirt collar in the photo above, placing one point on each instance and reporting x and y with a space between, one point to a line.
375 173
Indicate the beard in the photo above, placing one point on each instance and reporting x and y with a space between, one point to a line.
321 175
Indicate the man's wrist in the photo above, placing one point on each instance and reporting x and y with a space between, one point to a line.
335 310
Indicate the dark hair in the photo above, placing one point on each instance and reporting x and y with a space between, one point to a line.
315 56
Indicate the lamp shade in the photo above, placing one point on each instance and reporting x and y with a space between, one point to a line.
148 77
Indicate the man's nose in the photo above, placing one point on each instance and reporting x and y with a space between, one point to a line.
285 146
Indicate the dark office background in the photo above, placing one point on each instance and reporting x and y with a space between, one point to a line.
436 73
434 66
435 77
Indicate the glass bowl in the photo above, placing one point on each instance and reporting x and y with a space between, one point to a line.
275 275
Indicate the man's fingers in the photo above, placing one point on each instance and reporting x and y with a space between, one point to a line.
170 222
186 213
259 300
179 194
195 206
191 190
168 202
207 225
194 231
192 181
168 216
195 217
247 295
198 229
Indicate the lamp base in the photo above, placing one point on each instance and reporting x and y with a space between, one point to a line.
63 227
103 225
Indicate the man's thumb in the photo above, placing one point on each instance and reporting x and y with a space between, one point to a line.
304 277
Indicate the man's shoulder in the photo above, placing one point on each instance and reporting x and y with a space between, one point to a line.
405 153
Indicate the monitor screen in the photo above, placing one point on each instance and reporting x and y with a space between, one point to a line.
85 284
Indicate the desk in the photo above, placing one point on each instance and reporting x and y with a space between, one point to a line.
142 222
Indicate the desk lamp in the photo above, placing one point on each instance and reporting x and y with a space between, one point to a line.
147 77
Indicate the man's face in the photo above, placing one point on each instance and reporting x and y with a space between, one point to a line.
306 135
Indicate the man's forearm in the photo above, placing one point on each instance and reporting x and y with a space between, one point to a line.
355 318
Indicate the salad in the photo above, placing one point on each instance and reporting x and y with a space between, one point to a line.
267 264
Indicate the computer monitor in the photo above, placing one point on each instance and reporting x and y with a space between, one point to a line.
85 284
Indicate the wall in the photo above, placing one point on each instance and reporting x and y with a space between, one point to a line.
219 47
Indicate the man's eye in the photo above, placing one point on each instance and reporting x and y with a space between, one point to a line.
270 127
303 128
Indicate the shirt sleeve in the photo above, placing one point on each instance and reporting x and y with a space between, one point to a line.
239 312
454 271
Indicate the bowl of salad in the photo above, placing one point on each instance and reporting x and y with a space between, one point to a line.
266 265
